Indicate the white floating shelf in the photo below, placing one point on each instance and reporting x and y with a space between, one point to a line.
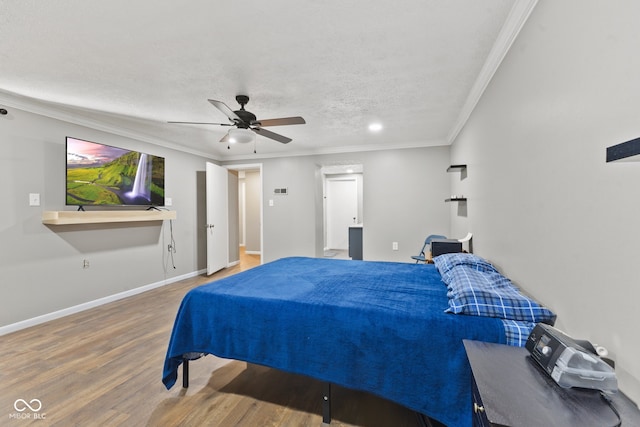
97 217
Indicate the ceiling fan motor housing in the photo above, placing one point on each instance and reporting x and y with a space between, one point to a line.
247 117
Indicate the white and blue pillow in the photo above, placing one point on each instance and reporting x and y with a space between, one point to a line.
475 287
447 262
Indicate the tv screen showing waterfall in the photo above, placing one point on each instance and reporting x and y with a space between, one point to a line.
99 174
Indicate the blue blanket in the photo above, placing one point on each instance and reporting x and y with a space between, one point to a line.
373 326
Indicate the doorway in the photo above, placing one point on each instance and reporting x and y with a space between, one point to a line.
246 239
342 206
342 210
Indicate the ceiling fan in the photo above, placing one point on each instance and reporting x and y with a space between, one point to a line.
246 121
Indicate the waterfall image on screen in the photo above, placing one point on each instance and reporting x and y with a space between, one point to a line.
141 183
99 174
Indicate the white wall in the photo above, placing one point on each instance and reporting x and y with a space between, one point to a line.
404 192
41 267
543 204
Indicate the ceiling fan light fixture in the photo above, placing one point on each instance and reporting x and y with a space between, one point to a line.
242 136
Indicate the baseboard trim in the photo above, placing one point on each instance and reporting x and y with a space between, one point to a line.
4 330
252 252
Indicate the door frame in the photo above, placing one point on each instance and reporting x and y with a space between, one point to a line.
327 171
254 167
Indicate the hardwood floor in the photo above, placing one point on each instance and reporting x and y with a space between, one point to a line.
103 367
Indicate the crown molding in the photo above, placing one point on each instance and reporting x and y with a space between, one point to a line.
515 21
336 150
58 112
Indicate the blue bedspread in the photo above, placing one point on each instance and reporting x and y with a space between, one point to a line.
373 326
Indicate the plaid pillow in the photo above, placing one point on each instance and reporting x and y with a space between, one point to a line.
517 332
446 262
492 299
462 276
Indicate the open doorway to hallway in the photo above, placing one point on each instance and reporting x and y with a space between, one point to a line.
246 238
248 261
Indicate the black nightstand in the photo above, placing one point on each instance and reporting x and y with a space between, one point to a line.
509 389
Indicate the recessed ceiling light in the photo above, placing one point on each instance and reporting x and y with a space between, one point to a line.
375 127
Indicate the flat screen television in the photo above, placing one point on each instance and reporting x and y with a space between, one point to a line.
99 174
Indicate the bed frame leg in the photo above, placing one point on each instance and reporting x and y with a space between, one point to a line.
326 403
185 373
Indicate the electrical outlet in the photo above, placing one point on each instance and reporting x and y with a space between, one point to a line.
394 246
34 199
168 201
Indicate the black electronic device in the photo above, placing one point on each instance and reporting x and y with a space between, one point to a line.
571 363
99 174
445 246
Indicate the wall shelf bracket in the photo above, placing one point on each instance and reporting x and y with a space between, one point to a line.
456 168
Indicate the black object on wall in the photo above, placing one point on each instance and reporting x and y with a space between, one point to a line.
626 151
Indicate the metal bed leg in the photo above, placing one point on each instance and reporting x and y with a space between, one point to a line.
326 403
185 373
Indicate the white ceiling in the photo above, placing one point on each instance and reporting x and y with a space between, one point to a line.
416 66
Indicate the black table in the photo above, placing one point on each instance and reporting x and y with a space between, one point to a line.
510 389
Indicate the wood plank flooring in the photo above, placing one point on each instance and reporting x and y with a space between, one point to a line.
103 367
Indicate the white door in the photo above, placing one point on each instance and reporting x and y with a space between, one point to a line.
342 211
217 218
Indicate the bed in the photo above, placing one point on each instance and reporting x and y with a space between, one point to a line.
382 327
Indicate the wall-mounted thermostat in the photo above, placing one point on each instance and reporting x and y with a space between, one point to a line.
281 191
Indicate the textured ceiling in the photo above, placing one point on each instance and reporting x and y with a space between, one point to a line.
134 65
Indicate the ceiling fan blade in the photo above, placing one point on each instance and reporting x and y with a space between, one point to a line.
272 135
202 123
225 110
282 121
